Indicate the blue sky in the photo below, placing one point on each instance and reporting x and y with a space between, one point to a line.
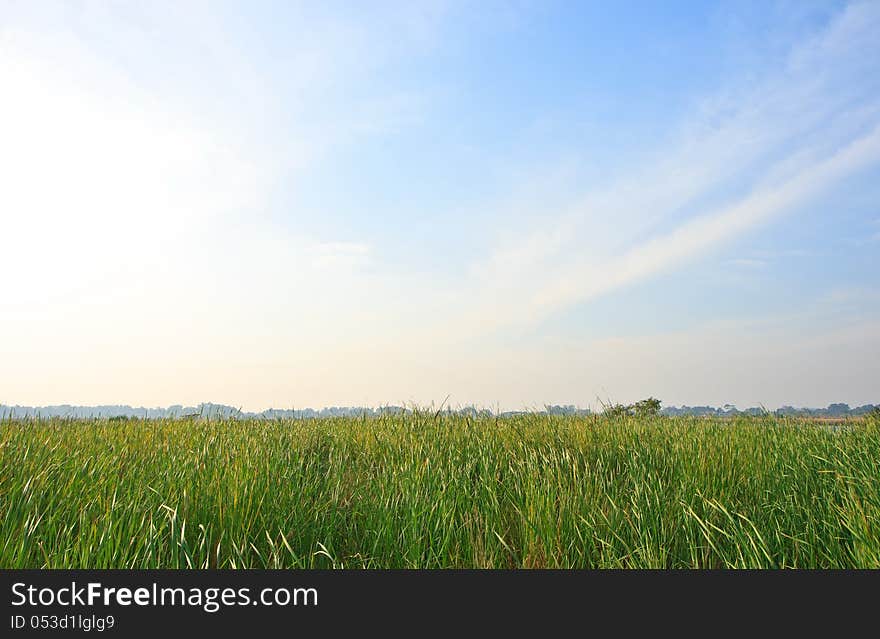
512 203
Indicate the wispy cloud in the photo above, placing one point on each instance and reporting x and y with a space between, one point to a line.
695 237
746 156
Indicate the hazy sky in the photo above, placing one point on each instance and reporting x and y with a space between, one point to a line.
513 203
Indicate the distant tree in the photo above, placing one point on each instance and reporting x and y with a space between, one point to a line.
616 410
552 409
646 407
838 409
643 408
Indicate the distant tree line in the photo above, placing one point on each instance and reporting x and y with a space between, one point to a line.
645 407
832 410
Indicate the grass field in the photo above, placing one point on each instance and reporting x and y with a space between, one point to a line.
426 490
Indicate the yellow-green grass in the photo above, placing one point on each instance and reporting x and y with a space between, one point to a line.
428 490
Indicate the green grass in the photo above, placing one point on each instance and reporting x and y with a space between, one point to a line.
435 491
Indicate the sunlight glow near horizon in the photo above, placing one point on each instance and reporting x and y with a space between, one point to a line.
278 205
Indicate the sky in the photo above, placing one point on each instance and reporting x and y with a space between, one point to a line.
500 204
